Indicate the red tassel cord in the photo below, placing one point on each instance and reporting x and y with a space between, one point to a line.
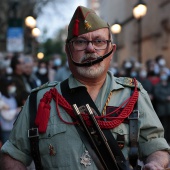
43 113
105 121
76 28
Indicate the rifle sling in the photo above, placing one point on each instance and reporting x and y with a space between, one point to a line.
133 135
33 134
81 97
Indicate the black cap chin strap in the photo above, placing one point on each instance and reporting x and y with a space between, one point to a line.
90 63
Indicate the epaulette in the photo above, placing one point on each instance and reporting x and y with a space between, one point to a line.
43 86
127 81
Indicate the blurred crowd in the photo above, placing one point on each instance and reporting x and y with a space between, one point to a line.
154 76
20 73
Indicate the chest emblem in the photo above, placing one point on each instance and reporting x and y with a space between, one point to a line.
52 151
85 159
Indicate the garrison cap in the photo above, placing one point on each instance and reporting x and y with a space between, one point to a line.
83 21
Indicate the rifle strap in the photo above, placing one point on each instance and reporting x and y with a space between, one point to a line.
33 134
81 97
133 136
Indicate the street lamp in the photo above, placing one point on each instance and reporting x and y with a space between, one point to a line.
116 29
36 32
139 11
30 22
40 55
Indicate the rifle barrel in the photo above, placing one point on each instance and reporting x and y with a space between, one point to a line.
81 121
100 134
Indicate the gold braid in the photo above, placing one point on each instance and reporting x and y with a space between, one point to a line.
107 102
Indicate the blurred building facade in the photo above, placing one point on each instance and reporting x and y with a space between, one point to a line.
155 26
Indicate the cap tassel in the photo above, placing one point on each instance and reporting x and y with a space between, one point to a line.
76 28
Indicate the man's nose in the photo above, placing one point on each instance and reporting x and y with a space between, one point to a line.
90 47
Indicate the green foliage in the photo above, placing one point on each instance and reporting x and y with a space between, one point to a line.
51 47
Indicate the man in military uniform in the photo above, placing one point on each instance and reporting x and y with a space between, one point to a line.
89 50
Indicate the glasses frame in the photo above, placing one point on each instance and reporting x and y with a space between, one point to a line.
108 41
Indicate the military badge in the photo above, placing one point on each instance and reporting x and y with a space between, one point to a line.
87 25
85 159
52 151
129 81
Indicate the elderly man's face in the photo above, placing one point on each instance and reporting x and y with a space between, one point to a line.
90 54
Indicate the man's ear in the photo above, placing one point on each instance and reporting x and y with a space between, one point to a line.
114 47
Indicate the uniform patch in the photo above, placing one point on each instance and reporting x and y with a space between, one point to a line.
129 82
48 84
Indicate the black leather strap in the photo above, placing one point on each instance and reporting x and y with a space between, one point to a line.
133 136
33 134
81 97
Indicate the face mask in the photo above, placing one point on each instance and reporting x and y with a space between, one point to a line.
9 70
128 64
35 68
7 62
162 62
164 77
143 74
12 90
42 71
137 65
57 62
133 74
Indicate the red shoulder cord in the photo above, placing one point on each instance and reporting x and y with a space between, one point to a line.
105 121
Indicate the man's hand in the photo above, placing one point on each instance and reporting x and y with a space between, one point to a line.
8 163
157 161
152 166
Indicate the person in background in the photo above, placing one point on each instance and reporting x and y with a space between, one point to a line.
42 72
51 70
89 50
30 79
2 68
10 110
62 73
127 67
17 65
114 69
161 65
8 59
147 85
57 61
153 75
162 106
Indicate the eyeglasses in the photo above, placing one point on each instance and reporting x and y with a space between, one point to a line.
81 44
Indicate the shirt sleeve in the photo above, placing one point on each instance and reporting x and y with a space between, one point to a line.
151 132
18 146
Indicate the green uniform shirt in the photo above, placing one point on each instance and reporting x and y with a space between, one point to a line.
65 139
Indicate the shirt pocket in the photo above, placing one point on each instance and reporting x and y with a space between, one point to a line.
53 147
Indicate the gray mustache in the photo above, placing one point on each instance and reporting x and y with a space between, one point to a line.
90 57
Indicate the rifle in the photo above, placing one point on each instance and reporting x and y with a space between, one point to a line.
97 139
81 121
